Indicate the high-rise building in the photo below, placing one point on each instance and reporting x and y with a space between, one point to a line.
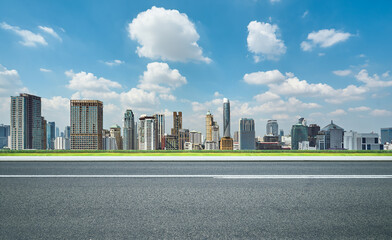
236 137
4 133
115 132
226 142
212 133
147 133
313 130
129 131
177 123
67 132
386 135
160 129
333 136
57 132
299 133
209 124
171 142
86 124
183 137
247 134
226 117
362 141
26 126
50 135
44 141
195 137
272 127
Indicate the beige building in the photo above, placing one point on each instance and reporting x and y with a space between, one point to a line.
115 132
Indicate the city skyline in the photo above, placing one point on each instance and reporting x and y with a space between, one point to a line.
259 58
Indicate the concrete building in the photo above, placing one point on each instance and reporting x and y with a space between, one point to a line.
362 141
313 130
4 134
333 136
268 146
195 138
211 145
147 133
50 135
62 143
115 132
183 137
299 133
209 124
160 129
236 137
26 122
212 133
67 132
272 127
86 124
386 135
129 131
271 138
305 145
246 134
171 142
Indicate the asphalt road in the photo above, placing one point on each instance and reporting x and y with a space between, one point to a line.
195 208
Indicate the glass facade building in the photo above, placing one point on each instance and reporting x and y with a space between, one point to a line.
129 133
272 127
226 117
386 135
247 134
299 133
50 134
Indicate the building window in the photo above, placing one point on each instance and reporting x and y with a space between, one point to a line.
375 140
368 147
363 140
363 147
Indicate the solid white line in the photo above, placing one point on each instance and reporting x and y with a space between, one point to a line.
209 176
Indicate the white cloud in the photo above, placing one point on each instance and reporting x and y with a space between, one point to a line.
168 97
139 99
267 77
280 116
324 38
338 112
159 77
10 82
115 62
217 94
372 81
386 74
321 54
87 81
359 109
51 32
167 35
342 73
45 70
30 39
56 109
381 113
263 40
305 14
291 105
267 96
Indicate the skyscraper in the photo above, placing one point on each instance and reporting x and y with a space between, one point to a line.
129 131
44 142
147 133
115 132
67 132
160 129
272 128
4 133
86 124
386 135
50 135
209 124
226 117
299 133
26 122
226 142
183 136
246 134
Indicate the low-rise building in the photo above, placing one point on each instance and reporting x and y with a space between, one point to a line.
362 141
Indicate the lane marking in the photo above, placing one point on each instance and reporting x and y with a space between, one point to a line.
209 176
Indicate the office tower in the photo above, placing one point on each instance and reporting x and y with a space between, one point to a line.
226 117
272 127
183 136
4 133
57 132
44 141
281 134
67 132
247 134
333 136
115 132
195 137
362 141
50 135
313 130
226 142
160 129
129 131
177 123
147 133
26 126
209 124
299 133
236 137
386 135
86 124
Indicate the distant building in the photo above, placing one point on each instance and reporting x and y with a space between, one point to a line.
147 133
195 138
247 134
299 133
209 124
272 127
160 129
313 130
183 137
188 146
62 143
57 132
212 133
177 125
386 135
236 137
44 141
271 138
268 146
211 145
4 134
171 142
50 134
333 136
26 126
129 131
305 145
226 142
86 124
115 132
362 141
67 132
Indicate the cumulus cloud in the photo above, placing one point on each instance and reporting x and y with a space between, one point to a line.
291 105
167 35
30 39
324 38
115 62
217 94
372 81
386 74
338 112
139 99
342 73
159 77
168 97
359 109
263 40
45 70
51 32
267 96
267 77
381 113
10 82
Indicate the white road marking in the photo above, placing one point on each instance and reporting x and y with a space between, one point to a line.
208 176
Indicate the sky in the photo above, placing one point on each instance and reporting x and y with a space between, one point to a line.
273 59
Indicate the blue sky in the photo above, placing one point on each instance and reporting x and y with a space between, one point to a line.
322 60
